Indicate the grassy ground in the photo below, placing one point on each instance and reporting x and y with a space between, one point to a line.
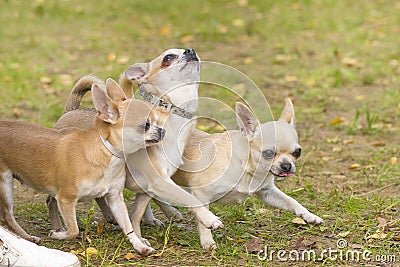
338 60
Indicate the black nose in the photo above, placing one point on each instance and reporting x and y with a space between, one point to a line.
190 51
162 133
286 167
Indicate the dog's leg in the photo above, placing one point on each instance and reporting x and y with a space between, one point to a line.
148 217
169 211
7 206
66 206
105 209
139 207
120 213
275 197
206 238
56 224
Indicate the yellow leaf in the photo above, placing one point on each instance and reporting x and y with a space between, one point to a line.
354 166
187 39
248 60
130 256
46 80
343 234
377 236
166 31
91 251
238 22
111 57
298 221
393 160
336 121
291 78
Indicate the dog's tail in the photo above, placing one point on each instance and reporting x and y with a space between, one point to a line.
81 87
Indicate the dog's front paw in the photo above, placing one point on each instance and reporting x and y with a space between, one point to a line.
214 224
141 246
59 235
208 244
312 218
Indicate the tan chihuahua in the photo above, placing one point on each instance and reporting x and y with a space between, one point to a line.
170 82
230 166
78 165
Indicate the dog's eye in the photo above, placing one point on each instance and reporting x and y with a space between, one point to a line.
167 60
269 154
297 153
147 126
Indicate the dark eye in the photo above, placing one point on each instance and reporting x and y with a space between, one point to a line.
168 58
147 126
269 154
297 153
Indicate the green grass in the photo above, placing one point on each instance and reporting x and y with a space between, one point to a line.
336 59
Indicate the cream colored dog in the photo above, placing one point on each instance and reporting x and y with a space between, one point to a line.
230 166
170 82
78 165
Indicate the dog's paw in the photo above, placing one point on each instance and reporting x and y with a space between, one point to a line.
61 235
174 214
141 245
214 224
153 221
312 218
209 244
34 239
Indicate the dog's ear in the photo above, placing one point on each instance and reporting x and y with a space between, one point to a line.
247 122
114 91
287 114
106 108
137 72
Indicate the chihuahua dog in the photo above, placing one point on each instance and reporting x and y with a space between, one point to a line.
170 82
78 165
242 163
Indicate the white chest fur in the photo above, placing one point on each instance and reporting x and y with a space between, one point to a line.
112 178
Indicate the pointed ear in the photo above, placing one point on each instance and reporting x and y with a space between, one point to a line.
105 107
246 120
114 91
137 72
287 114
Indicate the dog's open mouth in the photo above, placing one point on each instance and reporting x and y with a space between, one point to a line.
152 141
282 174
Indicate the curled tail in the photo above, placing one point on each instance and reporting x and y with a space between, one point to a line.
81 87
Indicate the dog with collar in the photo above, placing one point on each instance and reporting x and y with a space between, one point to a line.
242 163
169 82
75 165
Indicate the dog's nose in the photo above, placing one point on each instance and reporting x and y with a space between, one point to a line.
190 51
286 167
162 133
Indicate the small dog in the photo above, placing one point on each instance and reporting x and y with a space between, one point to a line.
170 82
78 165
243 163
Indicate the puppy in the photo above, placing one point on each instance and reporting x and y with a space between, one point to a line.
78 165
227 167
169 82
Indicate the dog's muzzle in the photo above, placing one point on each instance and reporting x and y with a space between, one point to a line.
157 136
190 55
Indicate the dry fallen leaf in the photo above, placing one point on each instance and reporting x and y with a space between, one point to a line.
343 234
91 251
131 256
336 121
46 80
393 160
378 235
254 244
354 166
298 220
382 222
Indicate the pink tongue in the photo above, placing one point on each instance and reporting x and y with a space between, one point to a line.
286 174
